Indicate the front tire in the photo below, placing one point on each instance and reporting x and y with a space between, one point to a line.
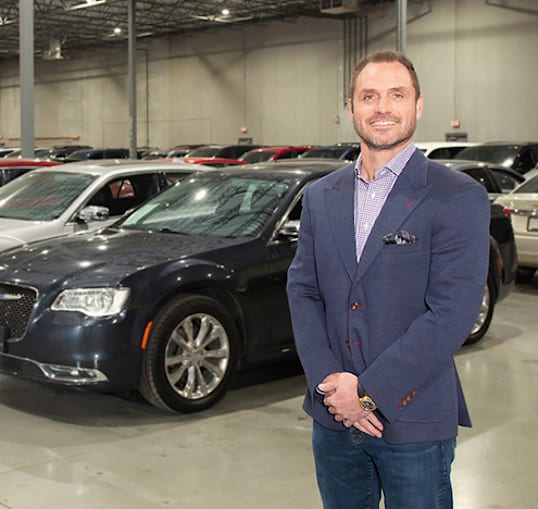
191 355
483 320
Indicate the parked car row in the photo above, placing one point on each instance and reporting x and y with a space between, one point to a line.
175 296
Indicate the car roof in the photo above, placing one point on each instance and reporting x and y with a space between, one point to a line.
120 166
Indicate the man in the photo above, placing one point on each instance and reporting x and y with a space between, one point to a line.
386 284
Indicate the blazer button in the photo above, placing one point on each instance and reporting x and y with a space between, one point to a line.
347 343
355 306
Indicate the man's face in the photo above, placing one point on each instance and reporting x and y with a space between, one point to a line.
384 109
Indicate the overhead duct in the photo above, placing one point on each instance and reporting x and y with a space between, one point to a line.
55 50
339 6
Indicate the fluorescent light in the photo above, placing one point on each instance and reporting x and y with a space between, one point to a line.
83 5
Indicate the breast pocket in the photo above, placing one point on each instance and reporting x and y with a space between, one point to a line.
401 249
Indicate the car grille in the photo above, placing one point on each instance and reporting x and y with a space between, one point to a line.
16 304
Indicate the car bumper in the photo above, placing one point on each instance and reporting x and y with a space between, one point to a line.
70 349
527 250
65 375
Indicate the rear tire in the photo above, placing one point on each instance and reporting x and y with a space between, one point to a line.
483 320
191 355
524 275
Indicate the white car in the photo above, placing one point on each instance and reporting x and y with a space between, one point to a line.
522 203
442 149
75 197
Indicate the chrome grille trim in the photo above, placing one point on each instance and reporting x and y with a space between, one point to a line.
17 304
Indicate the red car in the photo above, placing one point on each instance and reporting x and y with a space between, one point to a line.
13 168
259 155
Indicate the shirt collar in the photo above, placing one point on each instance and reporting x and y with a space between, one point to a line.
395 165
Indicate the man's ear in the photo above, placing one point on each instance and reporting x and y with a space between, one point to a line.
420 106
350 105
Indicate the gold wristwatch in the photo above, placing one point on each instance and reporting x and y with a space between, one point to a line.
365 401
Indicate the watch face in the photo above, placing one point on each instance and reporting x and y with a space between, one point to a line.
367 404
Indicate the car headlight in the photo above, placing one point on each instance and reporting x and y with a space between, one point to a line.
94 302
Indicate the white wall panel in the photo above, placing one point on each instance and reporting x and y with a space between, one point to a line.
284 81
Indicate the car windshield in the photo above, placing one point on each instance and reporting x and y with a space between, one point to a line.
324 153
79 155
213 205
529 186
41 195
257 156
503 155
204 152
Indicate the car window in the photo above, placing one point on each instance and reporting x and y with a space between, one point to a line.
524 162
226 206
204 152
479 174
257 156
530 186
41 195
124 193
503 155
8 174
444 153
505 181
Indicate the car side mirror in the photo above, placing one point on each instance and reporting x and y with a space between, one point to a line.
290 230
93 213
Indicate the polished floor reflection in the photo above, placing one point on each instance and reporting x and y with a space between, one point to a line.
75 450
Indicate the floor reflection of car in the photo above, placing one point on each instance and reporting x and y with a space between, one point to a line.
69 198
174 297
13 168
523 206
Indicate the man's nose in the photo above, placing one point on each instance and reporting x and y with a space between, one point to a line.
383 104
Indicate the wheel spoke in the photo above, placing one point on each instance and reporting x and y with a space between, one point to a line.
173 360
175 376
220 353
202 331
214 369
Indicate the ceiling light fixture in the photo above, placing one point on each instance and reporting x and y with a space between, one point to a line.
83 5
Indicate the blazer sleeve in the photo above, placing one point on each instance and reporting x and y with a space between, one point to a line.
306 306
457 278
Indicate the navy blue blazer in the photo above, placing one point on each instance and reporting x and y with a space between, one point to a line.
397 318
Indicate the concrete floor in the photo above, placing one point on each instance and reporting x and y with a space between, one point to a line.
69 450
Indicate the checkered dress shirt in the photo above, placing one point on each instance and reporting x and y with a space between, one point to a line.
371 196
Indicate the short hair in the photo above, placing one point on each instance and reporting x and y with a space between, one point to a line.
385 56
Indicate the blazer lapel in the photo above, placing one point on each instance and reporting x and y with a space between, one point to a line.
339 203
409 190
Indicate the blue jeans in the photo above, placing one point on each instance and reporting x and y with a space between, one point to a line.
353 468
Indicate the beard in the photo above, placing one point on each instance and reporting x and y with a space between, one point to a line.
384 141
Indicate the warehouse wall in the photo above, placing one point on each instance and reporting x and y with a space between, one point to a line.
284 82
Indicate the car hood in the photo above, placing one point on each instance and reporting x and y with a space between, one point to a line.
14 232
106 257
